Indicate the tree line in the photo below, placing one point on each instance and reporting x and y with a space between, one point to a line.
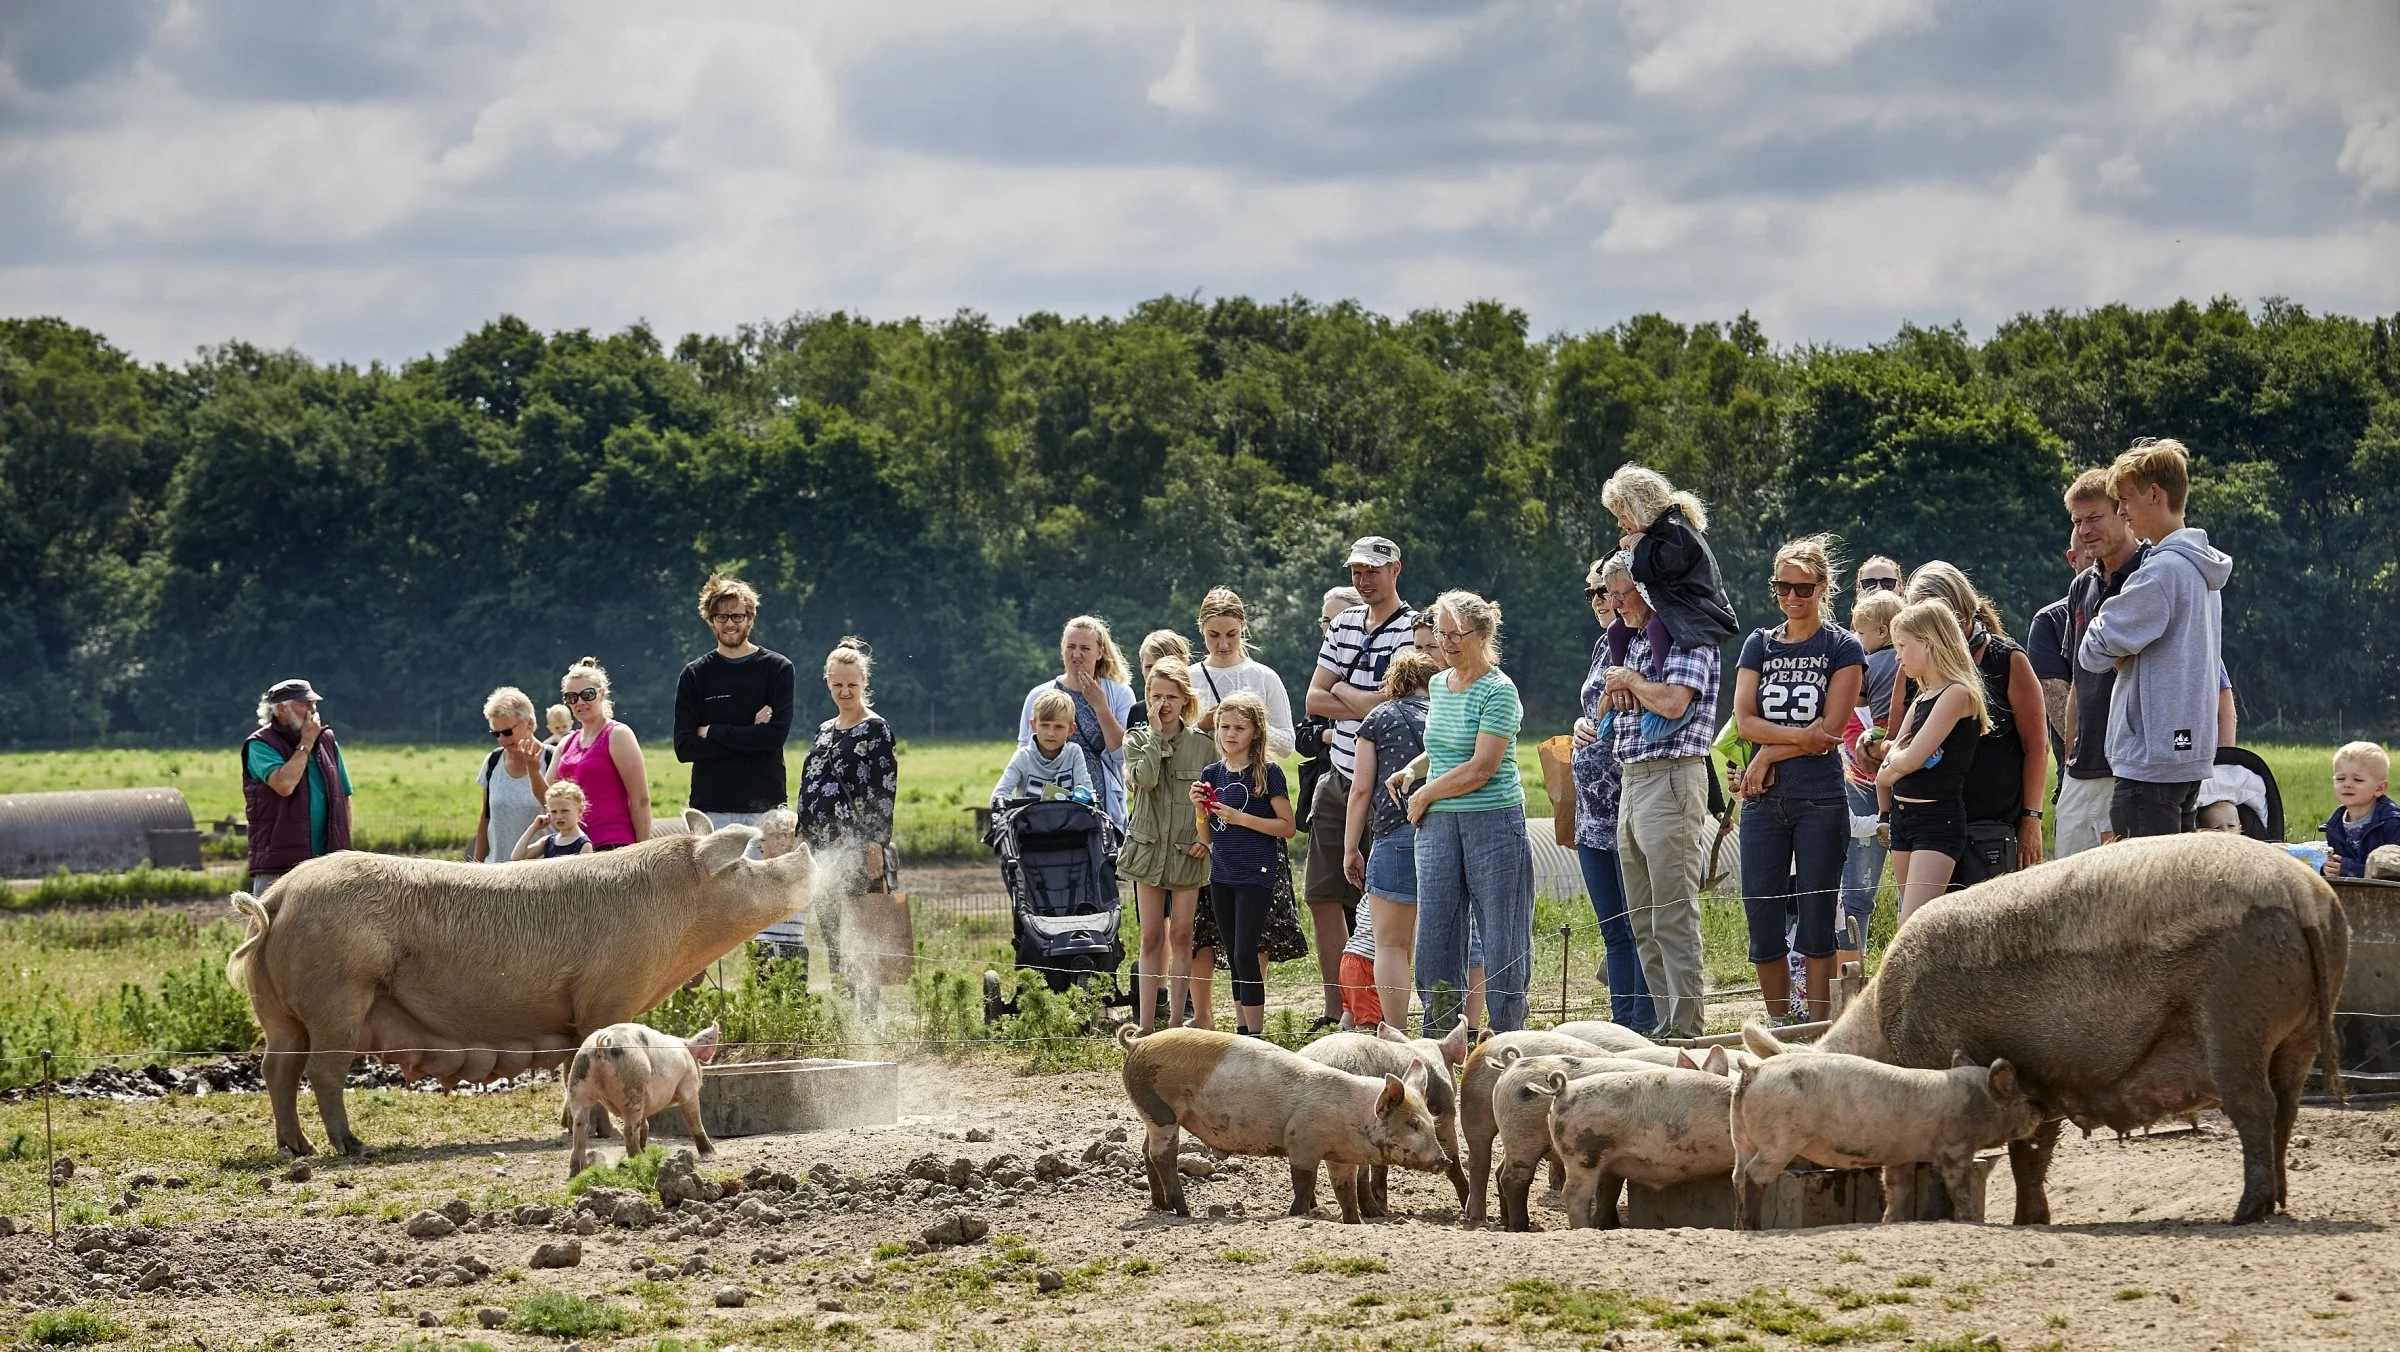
172 538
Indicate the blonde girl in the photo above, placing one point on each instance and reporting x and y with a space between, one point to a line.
1093 676
1921 785
1667 554
1224 623
1164 855
1249 809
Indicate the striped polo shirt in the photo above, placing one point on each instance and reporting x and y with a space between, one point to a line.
1454 722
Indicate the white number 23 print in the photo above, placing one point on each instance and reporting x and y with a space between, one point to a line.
1791 705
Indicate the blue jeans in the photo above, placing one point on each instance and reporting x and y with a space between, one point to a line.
1474 866
1862 870
1792 849
1628 994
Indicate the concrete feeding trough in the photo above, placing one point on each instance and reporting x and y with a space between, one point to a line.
758 1098
2367 1017
1801 1199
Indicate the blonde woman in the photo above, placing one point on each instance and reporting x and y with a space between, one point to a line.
1093 676
1164 855
1225 631
2006 784
605 759
1921 785
1794 689
513 778
1474 862
849 790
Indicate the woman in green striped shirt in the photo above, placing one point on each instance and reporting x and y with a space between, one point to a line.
1472 853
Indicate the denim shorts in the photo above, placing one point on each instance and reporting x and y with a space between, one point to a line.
1392 867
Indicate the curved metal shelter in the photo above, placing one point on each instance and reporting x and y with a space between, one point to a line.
95 831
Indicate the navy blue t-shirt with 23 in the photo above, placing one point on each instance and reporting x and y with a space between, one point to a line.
1794 680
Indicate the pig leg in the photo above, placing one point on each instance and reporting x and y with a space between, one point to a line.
2029 1165
1603 1201
2241 1081
637 1130
1304 1187
1958 1180
1383 1195
1516 1183
689 1105
579 1152
1753 1174
1346 1190
326 1071
1158 1161
287 1055
1558 1175
1480 1128
1897 1179
2290 1075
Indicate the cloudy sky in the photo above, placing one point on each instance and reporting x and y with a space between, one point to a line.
370 179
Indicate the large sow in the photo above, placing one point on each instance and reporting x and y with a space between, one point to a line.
471 972
2128 984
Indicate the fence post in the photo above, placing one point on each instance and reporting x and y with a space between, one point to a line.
49 1147
1566 943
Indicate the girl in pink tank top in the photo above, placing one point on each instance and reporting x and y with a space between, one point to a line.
608 820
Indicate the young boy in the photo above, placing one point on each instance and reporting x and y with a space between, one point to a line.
1053 766
2362 776
559 830
1862 867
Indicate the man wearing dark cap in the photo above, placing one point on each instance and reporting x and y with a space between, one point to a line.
290 748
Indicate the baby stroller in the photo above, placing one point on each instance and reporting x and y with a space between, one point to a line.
1058 859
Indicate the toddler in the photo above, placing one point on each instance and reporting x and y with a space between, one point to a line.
1668 555
2366 819
559 830
1053 767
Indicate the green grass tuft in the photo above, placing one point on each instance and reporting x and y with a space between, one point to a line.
566 1316
639 1172
72 1328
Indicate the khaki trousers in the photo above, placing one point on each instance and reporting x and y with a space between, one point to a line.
1662 821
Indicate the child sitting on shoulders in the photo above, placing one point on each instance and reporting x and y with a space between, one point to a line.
1668 556
1053 767
557 831
2366 819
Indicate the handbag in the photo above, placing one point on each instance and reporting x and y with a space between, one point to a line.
1557 755
1284 939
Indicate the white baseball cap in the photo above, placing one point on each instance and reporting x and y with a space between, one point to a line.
1374 551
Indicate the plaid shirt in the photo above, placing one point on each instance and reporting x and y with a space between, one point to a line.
1694 667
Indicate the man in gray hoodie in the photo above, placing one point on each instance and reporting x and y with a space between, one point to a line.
2163 635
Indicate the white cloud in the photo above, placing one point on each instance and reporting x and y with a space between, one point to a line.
1834 168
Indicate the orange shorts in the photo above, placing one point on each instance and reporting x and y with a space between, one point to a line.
1358 991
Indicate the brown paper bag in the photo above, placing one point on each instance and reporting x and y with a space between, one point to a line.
880 923
1557 755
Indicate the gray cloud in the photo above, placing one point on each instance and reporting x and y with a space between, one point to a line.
373 180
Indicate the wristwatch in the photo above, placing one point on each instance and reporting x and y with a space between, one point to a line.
2033 812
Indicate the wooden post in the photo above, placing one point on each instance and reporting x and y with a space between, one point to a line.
1847 984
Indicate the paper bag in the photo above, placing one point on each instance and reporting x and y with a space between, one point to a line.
1557 755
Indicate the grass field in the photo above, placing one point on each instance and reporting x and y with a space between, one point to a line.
422 798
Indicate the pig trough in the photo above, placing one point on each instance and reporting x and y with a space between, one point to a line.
758 1098
2366 1020
1804 1197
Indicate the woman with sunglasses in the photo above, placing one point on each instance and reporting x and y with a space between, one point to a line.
1793 692
514 779
602 756
1880 574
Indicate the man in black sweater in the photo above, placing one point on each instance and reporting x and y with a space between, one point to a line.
733 710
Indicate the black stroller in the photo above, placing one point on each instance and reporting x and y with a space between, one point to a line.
1058 859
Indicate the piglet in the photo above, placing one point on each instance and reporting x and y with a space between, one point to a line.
1850 1112
1389 1051
635 1071
1521 1100
1247 1096
1652 1126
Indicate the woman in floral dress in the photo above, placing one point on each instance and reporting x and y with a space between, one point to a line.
848 787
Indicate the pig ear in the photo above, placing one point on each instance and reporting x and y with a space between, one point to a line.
718 850
1454 1043
2004 1079
697 822
1416 1076
1384 1032
1716 1061
704 1044
1684 1061
1394 1094
1959 1058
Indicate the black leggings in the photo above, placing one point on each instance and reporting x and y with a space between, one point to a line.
1242 928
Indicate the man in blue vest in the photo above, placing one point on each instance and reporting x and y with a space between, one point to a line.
292 748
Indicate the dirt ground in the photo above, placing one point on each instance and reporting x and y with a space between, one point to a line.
2142 1258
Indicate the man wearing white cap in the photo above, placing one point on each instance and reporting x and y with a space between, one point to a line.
291 749
1348 684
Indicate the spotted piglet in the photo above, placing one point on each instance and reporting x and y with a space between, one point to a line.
635 1071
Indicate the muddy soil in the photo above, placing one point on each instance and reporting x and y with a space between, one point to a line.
1068 1252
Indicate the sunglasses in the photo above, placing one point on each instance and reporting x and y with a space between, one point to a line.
1868 584
1594 593
1801 590
584 696
503 734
